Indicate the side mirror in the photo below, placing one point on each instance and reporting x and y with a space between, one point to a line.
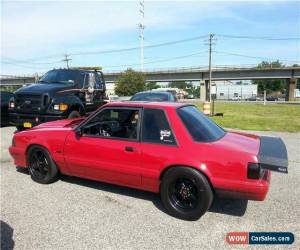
78 132
91 90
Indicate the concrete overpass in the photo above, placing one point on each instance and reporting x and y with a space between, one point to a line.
289 74
218 74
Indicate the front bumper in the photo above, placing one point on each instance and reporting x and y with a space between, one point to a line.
18 119
19 156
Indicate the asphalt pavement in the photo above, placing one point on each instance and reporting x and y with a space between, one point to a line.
73 213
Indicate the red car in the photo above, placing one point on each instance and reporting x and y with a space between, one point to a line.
167 148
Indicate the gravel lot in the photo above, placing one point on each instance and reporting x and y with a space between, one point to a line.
81 214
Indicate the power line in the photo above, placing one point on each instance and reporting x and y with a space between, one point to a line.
254 57
28 62
157 61
137 48
260 37
23 65
167 44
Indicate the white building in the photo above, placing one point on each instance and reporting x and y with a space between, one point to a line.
227 92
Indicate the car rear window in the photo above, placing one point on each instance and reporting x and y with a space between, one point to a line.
200 127
158 97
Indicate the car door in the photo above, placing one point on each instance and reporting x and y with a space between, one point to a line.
107 147
159 147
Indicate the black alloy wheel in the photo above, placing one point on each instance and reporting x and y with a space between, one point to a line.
186 193
41 167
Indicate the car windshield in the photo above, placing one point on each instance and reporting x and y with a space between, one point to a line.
157 97
60 76
200 127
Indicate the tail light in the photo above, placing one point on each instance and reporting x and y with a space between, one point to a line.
254 171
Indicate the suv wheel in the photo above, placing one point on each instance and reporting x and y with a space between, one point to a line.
41 166
74 114
185 193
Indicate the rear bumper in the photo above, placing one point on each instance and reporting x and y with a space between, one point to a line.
254 190
18 119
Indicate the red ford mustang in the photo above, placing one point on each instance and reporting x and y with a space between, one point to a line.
167 148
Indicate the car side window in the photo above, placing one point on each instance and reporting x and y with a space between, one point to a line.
114 123
156 128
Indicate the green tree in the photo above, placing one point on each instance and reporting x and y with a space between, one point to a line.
130 82
178 84
151 85
270 85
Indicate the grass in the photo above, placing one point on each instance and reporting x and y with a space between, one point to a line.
256 116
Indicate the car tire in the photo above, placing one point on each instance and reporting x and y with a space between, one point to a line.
41 166
20 128
74 114
185 193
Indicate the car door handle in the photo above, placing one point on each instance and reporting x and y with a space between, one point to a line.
129 149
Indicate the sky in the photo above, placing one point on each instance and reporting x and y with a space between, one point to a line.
35 35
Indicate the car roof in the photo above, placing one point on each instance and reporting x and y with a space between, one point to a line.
74 70
153 92
148 104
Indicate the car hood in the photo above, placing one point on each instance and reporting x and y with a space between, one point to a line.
60 123
40 88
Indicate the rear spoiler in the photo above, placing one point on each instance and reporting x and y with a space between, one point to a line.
273 154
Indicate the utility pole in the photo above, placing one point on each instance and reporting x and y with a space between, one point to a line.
67 59
141 28
211 36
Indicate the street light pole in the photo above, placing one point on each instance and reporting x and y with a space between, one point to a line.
141 28
67 59
211 36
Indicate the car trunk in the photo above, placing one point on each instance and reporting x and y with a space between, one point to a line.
272 154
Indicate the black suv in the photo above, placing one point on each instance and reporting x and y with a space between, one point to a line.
59 94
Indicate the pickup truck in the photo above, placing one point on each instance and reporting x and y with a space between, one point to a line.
59 94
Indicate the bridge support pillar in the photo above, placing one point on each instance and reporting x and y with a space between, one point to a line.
290 89
203 91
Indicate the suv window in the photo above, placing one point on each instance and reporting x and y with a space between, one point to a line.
61 76
156 128
200 127
114 122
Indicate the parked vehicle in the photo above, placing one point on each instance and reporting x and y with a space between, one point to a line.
59 94
272 98
5 97
154 96
252 98
236 98
113 98
166 148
